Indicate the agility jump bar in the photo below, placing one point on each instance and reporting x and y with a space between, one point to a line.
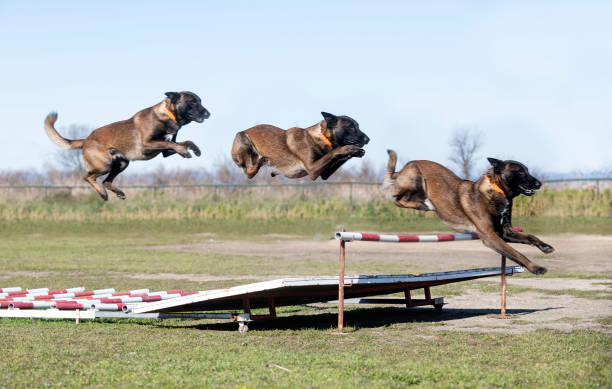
79 298
371 237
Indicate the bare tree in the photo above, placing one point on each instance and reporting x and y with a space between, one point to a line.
464 144
71 160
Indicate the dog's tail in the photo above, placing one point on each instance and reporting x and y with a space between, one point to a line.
390 174
57 138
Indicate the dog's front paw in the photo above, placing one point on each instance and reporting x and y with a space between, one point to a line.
546 248
539 270
192 146
353 151
359 153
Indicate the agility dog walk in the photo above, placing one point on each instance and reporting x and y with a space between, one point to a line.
197 305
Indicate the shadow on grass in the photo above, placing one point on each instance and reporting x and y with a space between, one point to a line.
356 319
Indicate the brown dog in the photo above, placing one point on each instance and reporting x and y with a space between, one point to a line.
315 151
483 207
109 149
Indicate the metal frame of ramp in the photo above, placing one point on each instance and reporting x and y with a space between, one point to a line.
296 291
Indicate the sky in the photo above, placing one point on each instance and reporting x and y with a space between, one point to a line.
535 78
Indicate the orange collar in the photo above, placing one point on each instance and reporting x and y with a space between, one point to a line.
496 187
170 114
326 139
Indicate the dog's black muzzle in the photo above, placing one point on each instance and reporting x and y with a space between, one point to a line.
363 140
201 116
530 188
359 140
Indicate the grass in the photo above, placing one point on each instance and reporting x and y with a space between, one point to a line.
558 205
190 354
515 289
606 320
386 347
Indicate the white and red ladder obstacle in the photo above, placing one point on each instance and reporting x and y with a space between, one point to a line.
344 236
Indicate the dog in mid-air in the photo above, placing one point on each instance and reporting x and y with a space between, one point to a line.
483 207
316 151
109 149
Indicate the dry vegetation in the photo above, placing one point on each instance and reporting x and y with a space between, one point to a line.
225 193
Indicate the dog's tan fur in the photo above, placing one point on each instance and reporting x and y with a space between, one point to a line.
108 149
466 206
299 152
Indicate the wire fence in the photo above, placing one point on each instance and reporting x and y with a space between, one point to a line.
352 191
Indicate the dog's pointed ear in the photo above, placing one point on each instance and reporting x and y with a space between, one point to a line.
329 118
498 166
173 96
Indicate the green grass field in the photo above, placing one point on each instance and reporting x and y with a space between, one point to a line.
386 347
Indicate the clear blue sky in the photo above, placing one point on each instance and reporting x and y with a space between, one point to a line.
534 77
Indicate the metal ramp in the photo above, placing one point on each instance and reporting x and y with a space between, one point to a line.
298 291
275 293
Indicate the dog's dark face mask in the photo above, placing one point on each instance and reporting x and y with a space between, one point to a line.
188 107
516 177
344 130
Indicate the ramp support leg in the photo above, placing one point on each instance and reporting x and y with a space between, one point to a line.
271 307
503 287
341 288
246 305
408 298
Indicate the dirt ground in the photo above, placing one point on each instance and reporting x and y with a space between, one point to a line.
583 263
582 254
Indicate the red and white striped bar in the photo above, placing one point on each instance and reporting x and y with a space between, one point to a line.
23 293
108 307
10 289
31 304
364 236
39 290
105 298
166 292
131 292
105 302
69 290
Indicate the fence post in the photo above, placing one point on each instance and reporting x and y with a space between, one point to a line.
351 194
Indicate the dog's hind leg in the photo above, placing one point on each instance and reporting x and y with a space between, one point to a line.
118 164
91 179
514 236
413 202
245 155
409 189
97 162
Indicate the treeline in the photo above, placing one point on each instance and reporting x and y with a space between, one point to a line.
221 173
